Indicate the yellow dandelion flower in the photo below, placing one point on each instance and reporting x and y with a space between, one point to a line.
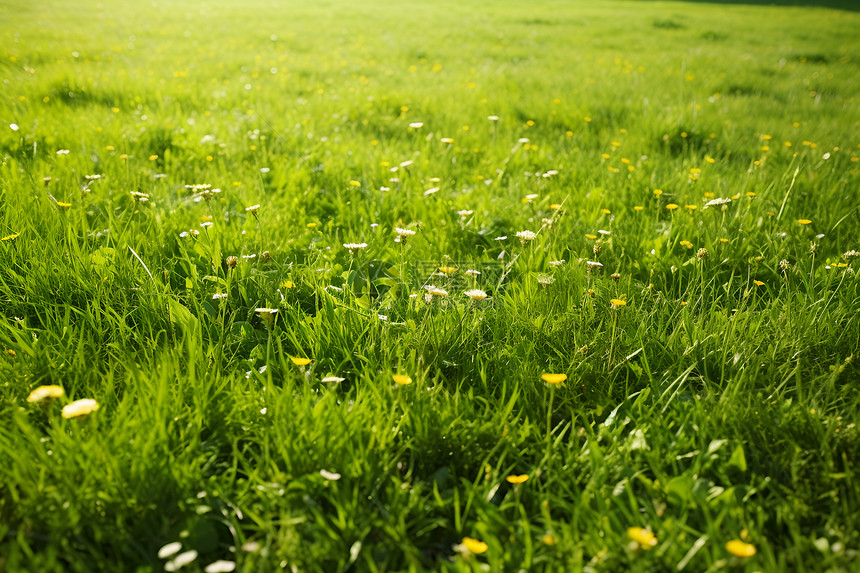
311 225
63 205
555 206
740 549
758 283
671 206
804 221
355 183
153 157
605 211
691 207
448 270
287 284
80 408
591 236
11 237
549 539
658 192
642 536
45 393
638 208
687 244
553 378
474 546
618 302
517 478
401 379
300 361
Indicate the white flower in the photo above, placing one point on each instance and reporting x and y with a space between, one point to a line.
219 295
473 272
354 246
333 379
180 561
602 232
252 208
430 191
434 290
493 117
557 263
464 212
404 232
220 566
476 294
716 202
331 476
416 124
13 126
169 550
524 236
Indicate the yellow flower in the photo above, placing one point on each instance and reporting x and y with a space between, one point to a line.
642 536
549 539
45 393
553 378
401 379
300 361
153 157
448 270
517 479
476 294
740 549
63 205
474 546
617 302
671 206
80 408
555 206
638 208
687 244
287 284
690 207
605 211
758 283
591 236
355 183
804 221
11 237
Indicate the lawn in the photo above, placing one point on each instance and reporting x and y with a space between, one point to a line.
429 286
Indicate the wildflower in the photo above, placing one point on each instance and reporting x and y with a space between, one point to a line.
267 315
330 476
220 566
515 479
404 232
740 549
524 236
596 249
593 266
549 539
671 206
604 232
493 117
139 197
469 546
231 261
416 125
617 303
691 207
473 272
431 191
219 296
638 208
804 221
644 538
592 237
465 212
545 280
687 244
45 393
206 224
401 379
702 254
448 270
252 209
435 291
758 283
300 361
555 206
354 247
784 265
476 294
11 237
181 560
332 379
63 205
80 408
847 255
557 263
553 378
615 277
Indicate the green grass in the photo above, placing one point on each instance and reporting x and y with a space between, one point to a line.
719 403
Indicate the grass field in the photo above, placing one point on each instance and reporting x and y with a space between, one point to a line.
317 262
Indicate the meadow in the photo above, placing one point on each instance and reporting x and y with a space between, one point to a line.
429 286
